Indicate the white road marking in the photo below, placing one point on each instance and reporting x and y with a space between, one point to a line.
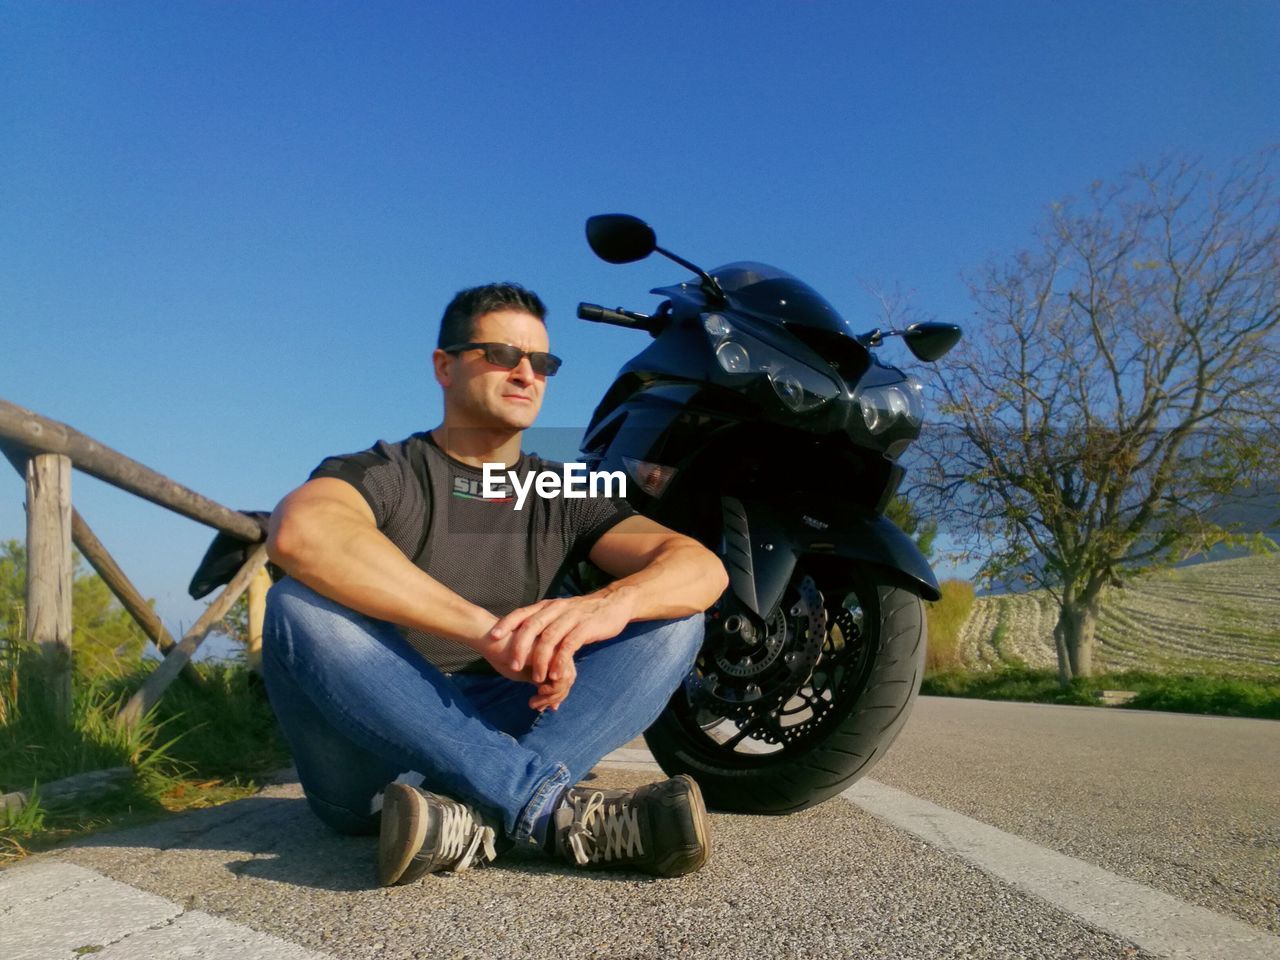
1155 921
51 911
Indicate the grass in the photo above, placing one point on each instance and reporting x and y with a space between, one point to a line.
1218 695
1222 696
197 748
946 617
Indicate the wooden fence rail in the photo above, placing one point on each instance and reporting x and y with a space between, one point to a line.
38 434
155 685
44 451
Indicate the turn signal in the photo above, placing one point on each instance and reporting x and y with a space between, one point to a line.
653 478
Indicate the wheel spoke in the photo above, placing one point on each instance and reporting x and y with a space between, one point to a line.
744 731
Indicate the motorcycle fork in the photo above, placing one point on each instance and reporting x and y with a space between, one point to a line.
758 557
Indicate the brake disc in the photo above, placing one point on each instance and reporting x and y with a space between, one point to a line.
810 611
757 681
791 701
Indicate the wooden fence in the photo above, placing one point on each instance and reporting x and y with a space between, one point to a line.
44 452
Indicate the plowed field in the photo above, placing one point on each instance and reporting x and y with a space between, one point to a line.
1220 618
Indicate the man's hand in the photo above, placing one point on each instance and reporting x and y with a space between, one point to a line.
542 638
551 691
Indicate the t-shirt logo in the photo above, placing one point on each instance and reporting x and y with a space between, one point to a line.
468 489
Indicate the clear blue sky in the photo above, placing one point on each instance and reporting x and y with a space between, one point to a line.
227 230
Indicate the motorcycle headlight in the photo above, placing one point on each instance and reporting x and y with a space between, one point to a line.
800 387
716 325
733 357
886 406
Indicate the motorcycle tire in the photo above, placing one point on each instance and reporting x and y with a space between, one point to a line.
854 734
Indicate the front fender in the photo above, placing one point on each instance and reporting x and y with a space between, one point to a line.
764 540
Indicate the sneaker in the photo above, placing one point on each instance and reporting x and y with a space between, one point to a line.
660 828
426 833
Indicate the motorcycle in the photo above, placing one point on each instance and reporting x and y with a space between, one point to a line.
760 424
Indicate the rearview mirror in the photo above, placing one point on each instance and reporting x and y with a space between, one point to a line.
620 238
930 341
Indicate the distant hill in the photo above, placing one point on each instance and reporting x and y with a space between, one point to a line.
1257 513
1220 618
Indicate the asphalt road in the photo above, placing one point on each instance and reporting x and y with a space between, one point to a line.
1188 807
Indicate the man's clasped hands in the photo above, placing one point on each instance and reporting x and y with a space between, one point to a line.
537 643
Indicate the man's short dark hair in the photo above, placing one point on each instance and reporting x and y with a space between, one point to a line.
467 305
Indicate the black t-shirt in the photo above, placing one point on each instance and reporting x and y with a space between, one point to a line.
432 507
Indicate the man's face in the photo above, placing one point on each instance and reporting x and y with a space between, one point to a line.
484 395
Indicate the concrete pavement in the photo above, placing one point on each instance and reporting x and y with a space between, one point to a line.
834 881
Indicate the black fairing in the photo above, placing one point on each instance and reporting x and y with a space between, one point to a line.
804 495
758 484
772 535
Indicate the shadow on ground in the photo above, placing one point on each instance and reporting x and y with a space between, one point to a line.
273 837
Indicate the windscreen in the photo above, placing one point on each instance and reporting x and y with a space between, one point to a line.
767 290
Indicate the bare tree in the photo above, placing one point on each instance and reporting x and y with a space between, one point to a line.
1122 380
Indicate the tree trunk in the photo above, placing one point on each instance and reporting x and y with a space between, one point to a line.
1074 632
1064 656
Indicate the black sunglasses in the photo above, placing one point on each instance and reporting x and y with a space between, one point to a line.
508 357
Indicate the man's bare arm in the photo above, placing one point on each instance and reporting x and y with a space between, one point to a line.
662 575
325 535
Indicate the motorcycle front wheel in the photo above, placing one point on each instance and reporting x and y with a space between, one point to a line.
809 707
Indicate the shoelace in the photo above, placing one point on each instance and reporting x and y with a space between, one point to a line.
603 833
462 838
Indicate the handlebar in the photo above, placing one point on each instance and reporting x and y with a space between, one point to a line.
619 318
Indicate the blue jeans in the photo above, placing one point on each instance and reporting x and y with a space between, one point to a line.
360 708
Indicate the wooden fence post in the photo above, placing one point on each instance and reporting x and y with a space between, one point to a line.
258 588
49 572
107 568
49 448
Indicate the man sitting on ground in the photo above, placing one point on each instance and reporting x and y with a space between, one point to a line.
431 684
